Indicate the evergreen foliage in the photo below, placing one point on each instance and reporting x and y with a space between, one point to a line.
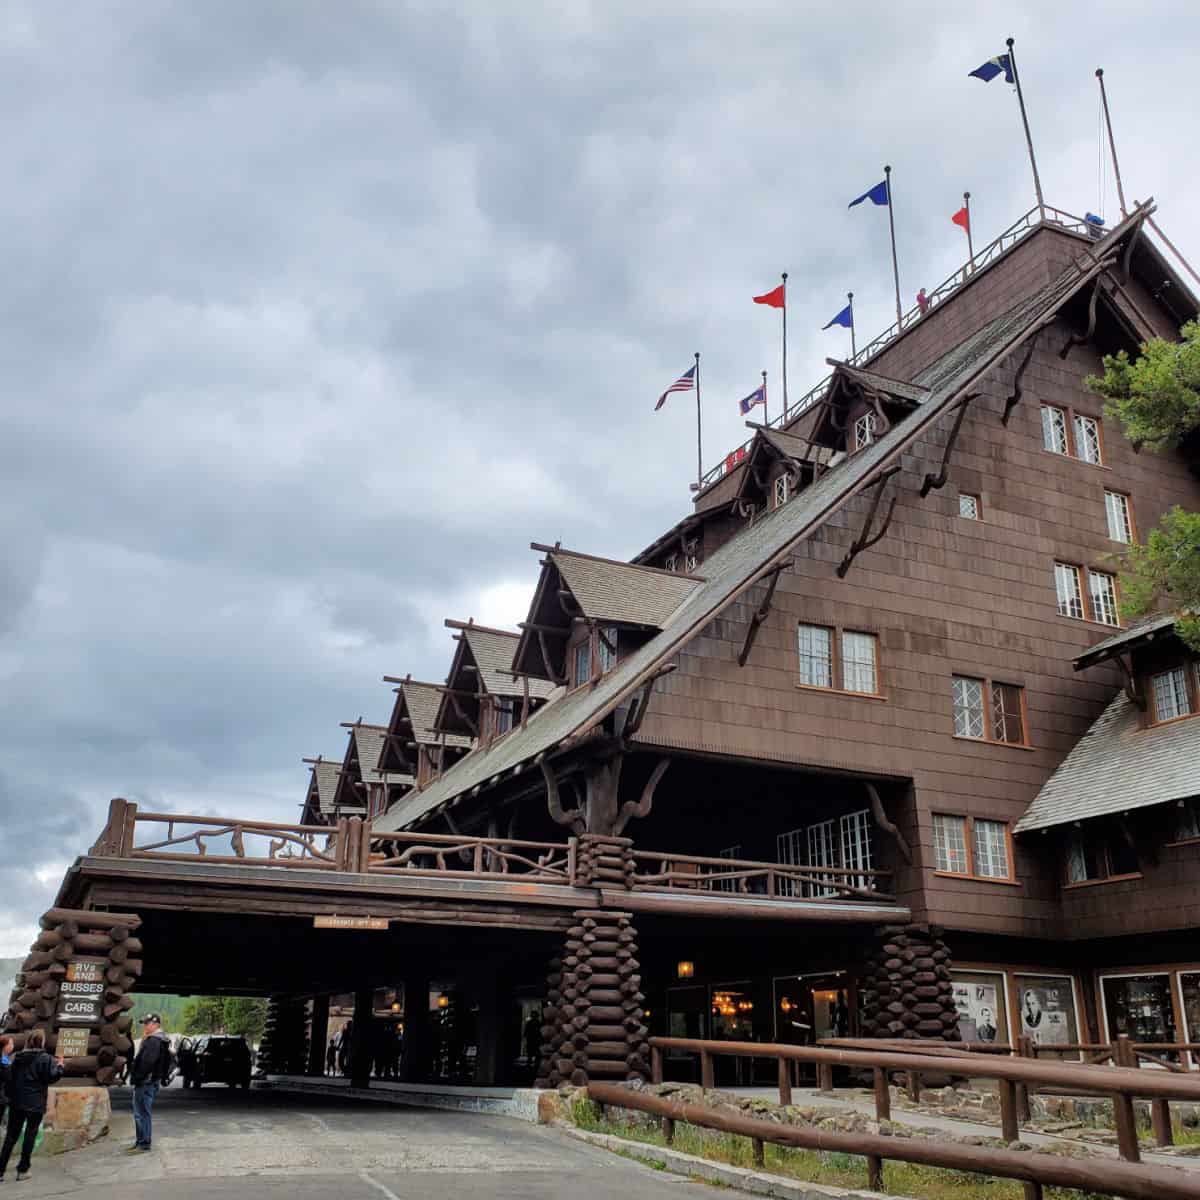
1167 567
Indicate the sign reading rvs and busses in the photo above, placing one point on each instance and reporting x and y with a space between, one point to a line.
81 994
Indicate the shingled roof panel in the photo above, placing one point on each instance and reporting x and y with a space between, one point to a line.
493 652
622 592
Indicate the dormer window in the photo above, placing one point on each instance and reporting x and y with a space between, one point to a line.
864 431
671 563
693 561
504 716
1170 692
583 662
781 491
607 637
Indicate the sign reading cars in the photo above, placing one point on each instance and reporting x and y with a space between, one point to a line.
81 994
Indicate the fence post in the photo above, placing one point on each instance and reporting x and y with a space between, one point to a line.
1160 1120
1124 1055
668 1130
343 840
573 861
883 1098
785 1082
1025 1049
760 1154
1009 1126
914 1086
128 830
656 1064
874 1173
706 1071
825 1077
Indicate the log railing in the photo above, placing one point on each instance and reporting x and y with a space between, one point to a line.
435 854
1106 1177
659 869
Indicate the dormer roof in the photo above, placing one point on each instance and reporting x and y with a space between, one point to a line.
805 460
412 725
324 776
849 386
1135 637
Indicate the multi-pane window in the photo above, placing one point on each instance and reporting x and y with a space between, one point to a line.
1087 439
607 637
822 852
971 846
1099 853
816 656
988 710
671 563
781 490
839 843
969 507
1070 595
1170 694
504 715
858 663
848 661
1116 510
856 846
728 885
1102 591
583 661
693 561
864 430
1187 820
968 707
1054 429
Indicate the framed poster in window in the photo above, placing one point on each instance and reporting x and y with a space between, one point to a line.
1046 1011
982 1010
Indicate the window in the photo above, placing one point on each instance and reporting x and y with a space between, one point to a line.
822 852
968 707
607 637
1066 584
1170 694
841 843
1116 509
728 885
816 656
692 562
1054 430
1187 825
856 846
1087 439
854 668
671 563
988 710
1098 853
969 507
858 663
1102 591
864 430
504 715
971 846
583 661
781 490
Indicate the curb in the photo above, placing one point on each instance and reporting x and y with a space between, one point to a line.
756 1183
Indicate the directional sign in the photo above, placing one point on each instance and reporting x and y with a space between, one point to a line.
81 995
72 1043
376 923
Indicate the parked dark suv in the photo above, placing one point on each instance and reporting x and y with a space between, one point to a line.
213 1058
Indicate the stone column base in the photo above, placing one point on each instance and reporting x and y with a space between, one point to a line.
75 1117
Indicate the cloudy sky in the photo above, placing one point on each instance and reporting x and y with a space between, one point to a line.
314 315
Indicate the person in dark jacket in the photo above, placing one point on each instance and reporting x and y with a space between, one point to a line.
150 1070
6 1056
30 1076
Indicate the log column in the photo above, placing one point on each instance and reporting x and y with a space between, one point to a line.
906 989
418 1040
360 1043
284 1047
594 1025
318 1035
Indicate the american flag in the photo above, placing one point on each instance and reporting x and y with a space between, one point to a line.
684 383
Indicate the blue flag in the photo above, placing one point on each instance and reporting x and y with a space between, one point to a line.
845 318
993 67
877 195
756 397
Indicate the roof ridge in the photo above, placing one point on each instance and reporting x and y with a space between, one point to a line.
615 562
467 626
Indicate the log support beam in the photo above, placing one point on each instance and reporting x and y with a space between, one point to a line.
866 539
939 480
760 614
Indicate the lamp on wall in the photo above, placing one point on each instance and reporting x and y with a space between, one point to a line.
443 1001
685 969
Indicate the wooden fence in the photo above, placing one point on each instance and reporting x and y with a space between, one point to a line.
1014 1076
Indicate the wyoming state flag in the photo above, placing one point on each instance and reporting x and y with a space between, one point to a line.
1001 64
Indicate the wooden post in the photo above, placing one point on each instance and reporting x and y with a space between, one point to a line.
360 1043
318 1035
883 1097
785 1082
1127 1140
874 1173
914 1086
759 1151
1025 1049
1009 1127
1033 1191
706 1071
825 1077
656 1064
417 1033
1160 1120
668 1130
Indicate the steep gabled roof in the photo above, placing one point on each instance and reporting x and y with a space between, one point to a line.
420 701
1134 636
492 651
326 772
1117 766
622 593
745 559
913 392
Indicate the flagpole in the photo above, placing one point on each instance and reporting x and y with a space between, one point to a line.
1037 181
785 398
853 350
766 410
970 242
887 179
699 456
1112 145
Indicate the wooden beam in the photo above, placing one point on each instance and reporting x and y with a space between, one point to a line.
865 540
760 615
888 827
939 480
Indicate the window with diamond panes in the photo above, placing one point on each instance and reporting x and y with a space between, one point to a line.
781 490
989 842
1102 592
1170 694
1054 430
1087 439
1070 596
968 707
950 844
968 507
1116 509
1008 720
816 656
864 431
859 673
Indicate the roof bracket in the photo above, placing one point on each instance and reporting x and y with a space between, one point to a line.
555 676
637 711
1132 691
760 614
1077 339
1012 401
865 539
939 480
1130 246
888 827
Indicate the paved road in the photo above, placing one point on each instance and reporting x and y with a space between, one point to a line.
218 1143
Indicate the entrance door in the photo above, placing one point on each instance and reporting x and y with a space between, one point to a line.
807 1009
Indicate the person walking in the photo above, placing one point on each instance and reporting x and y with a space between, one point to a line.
31 1073
151 1069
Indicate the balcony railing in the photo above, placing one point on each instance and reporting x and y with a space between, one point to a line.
1019 229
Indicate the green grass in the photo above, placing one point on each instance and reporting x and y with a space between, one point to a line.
811 1166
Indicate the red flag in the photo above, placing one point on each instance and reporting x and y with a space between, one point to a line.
776 298
963 218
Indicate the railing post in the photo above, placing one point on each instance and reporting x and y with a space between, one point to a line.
128 829
883 1097
706 1071
477 859
785 1082
825 1077
656 1064
760 1153
1160 1121
914 1086
668 1130
573 861
343 843
874 1173
1125 1055
1009 1127
1025 1049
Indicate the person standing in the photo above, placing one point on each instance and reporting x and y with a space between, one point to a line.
6 1056
30 1075
151 1068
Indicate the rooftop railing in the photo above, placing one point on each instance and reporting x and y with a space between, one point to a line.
1018 230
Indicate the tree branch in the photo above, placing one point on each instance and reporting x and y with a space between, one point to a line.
574 818
882 821
642 807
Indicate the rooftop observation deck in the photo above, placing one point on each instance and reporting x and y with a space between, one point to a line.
1025 225
165 859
